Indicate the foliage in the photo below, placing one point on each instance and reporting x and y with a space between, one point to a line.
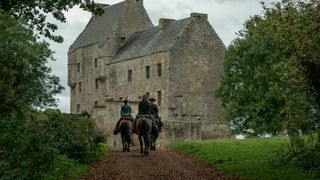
23 152
270 85
66 168
35 13
260 158
25 80
80 141
30 143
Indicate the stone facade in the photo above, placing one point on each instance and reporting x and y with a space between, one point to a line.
179 63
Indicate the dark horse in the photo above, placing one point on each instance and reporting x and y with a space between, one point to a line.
155 133
154 137
144 127
125 130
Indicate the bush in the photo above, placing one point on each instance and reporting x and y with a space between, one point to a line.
24 152
32 142
73 135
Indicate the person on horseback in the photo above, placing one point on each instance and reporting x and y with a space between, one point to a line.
144 109
154 112
124 113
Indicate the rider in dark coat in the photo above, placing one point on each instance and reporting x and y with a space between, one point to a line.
144 109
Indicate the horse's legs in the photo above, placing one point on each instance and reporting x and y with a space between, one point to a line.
123 143
141 144
128 146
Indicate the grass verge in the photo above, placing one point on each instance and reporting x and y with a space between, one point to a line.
251 158
66 168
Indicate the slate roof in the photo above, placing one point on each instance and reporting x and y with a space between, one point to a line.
151 41
101 27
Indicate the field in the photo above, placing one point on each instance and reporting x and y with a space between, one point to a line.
261 158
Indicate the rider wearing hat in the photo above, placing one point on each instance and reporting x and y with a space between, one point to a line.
154 111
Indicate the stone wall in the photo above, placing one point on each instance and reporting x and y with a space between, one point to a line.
195 72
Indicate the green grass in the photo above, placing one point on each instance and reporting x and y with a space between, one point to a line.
66 168
250 158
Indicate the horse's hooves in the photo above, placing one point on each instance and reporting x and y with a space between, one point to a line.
146 153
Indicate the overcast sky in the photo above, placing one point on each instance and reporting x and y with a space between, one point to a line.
226 17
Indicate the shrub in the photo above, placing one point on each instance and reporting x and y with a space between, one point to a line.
73 135
23 152
32 142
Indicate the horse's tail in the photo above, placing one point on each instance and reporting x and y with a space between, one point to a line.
144 132
125 132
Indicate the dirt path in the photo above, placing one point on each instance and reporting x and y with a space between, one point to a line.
160 164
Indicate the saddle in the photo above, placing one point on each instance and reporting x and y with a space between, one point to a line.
126 118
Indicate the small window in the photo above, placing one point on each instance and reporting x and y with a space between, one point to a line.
122 39
129 75
148 95
96 62
78 108
78 67
96 103
159 69
97 83
80 86
159 98
147 72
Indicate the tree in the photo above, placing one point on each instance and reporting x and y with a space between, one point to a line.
25 80
35 13
270 85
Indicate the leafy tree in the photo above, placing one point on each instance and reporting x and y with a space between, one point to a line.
35 12
25 80
270 85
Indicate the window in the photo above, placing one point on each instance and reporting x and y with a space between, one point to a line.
129 75
96 62
159 69
96 103
97 83
122 39
159 98
80 88
147 72
78 67
148 95
78 108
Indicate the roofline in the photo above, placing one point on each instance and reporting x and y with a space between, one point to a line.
128 59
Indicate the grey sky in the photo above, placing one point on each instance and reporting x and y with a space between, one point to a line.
225 16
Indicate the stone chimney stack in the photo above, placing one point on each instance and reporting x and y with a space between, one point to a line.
135 1
199 16
164 23
102 6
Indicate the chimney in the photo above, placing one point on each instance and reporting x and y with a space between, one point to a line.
199 16
134 1
100 5
164 23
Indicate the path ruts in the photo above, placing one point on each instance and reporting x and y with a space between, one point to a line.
162 164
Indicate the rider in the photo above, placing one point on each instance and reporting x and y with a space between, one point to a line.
154 112
144 109
125 113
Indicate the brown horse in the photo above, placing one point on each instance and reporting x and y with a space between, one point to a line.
144 127
125 130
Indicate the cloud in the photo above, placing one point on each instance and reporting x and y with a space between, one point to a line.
226 17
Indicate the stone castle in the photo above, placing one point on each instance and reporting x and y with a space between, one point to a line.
121 55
